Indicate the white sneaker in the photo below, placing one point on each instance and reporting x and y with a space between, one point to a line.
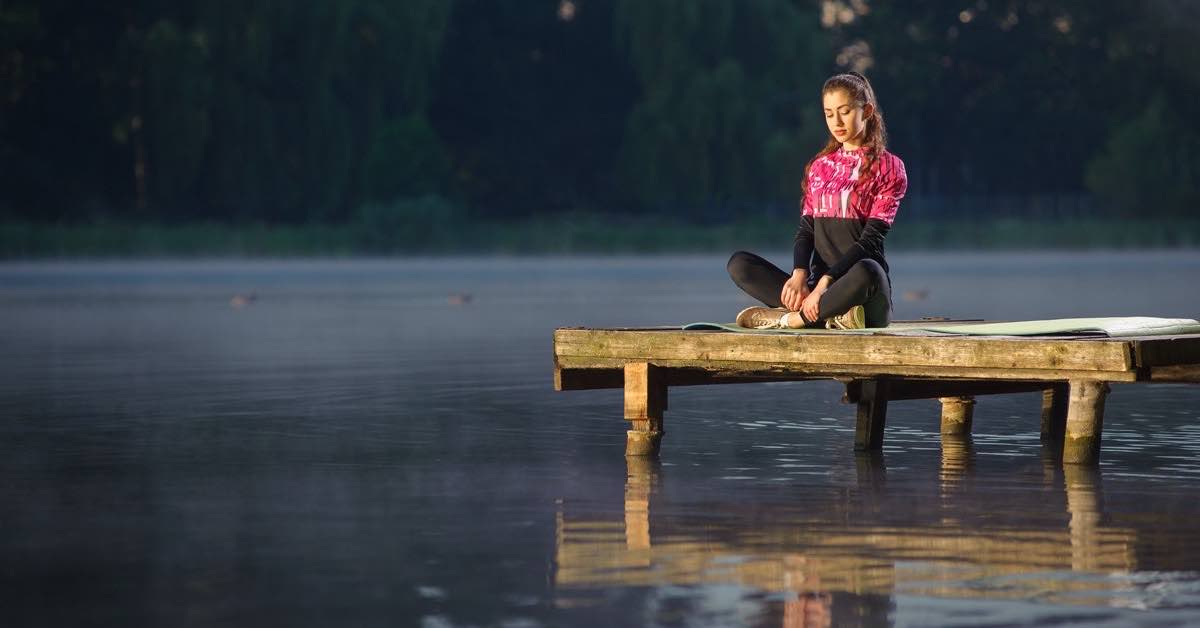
854 318
760 317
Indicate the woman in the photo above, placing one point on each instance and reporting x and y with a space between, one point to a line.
852 189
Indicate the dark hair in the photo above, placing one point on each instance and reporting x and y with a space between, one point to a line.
860 91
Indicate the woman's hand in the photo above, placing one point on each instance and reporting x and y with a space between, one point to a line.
812 303
795 290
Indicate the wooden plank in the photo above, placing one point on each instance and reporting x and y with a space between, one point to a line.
794 370
1183 374
872 415
904 389
588 379
1166 350
601 378
956 352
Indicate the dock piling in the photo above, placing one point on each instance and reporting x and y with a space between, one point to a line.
645 401
872 415
1085 421
1054 413
957 413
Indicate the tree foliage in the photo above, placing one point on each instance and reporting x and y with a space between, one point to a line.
282 111
722 84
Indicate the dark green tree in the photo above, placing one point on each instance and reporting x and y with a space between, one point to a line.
726 94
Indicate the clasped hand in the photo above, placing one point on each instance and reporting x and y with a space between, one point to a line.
796 296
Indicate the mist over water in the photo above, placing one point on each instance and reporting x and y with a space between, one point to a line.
378 442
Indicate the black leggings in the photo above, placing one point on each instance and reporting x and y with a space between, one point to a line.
865 284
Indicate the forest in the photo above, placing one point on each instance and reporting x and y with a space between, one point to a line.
347 126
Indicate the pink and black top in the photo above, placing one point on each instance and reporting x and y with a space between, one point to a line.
843 222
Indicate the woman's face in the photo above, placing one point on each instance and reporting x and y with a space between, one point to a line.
846 119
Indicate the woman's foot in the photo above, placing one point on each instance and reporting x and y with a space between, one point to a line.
759 317
854 318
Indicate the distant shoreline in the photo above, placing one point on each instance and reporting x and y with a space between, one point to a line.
569 234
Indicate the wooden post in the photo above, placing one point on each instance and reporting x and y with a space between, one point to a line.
1085 421
957 413
1054 413
645 401
872 415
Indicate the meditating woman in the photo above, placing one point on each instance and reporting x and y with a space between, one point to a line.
852 189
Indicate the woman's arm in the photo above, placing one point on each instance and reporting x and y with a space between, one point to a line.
802 248
795 290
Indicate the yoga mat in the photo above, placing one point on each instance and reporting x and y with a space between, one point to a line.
1113 327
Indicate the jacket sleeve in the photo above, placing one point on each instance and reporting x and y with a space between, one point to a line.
802 248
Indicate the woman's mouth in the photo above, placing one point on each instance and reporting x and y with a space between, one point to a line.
839 132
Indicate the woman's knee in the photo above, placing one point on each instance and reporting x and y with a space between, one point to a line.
739 263
870 270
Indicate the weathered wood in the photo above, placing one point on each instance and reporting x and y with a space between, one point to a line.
1181 374
872 415
588 379
645 401
1054 412
879 368
839 371
860 350
957 414
601 378
1166 350
1085 421
905 389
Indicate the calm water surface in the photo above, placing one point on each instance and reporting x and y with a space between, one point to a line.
357 447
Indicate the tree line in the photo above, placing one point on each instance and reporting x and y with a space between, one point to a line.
705 110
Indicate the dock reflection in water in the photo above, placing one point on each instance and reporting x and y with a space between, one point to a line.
846 564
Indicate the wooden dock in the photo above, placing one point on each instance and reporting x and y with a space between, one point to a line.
1073 373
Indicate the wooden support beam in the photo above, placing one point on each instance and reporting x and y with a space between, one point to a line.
645 401
614 377
778 371
872 415
957 414
1054 413
1182 374
905 389
1085 421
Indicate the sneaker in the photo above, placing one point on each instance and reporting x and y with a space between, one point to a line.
759 317
854 318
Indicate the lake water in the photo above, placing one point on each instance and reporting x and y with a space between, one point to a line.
355 445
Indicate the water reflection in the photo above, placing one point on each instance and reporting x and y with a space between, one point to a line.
846 563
